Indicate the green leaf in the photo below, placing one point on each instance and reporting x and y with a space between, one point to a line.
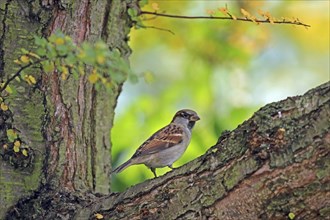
143 3
291 215
25 152
9 89
41 51
16 148
131 12
24 51
48 66
41 42
11 134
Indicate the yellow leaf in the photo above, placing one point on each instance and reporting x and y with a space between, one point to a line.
245 13
5 146
65 70
65 73
93 78
3 106
103 80
98 216
25 59
100 59
32 79
9 89
59 41
25 152
16 149
17 62
17 143
63 76
34 55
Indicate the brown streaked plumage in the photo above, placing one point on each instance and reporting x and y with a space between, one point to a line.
165 146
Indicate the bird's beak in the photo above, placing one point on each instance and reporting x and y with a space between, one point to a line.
194 118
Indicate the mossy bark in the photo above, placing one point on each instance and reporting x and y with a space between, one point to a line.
66 123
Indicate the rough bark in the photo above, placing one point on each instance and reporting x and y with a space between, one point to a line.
273 165
66 123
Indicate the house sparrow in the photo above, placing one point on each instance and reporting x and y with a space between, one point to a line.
165 146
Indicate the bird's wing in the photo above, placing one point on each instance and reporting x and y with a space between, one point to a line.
166 137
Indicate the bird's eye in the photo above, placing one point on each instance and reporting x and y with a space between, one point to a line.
185 115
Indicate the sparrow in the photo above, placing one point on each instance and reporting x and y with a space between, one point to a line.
165 146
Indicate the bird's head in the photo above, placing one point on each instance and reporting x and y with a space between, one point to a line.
187 117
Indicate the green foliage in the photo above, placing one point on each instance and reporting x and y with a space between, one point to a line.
135 16
59 52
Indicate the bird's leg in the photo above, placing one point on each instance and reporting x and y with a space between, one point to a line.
153 170
170 166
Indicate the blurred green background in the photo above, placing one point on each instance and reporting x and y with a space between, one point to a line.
224 70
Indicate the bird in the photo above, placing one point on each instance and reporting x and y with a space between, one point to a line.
166 145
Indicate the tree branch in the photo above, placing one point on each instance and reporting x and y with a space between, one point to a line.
18 73
246 19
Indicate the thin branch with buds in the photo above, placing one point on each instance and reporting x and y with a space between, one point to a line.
246 19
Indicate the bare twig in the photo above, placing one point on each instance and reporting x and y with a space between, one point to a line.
158 28
294 22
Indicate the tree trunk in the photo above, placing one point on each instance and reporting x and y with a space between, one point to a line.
72 151
273 166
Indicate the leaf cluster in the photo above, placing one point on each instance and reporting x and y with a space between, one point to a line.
60 53
12 148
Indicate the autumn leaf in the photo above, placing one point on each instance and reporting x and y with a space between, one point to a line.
3 106
25 152
245 13
224 10
93 77
100 59
30 79
98 216
17 143
59 41
25 59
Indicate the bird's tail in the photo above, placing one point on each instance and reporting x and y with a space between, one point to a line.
122 167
